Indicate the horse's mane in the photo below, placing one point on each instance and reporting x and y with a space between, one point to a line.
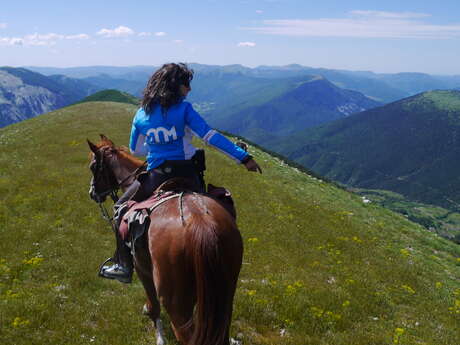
122 152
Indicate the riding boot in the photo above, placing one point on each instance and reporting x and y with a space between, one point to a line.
122 270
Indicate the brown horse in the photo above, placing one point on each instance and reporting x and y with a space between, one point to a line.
189 261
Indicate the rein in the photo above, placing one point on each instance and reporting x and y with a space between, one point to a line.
131 175
101 170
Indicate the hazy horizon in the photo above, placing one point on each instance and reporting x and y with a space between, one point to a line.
223 65
355 35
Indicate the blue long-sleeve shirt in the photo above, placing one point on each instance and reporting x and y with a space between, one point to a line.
168 135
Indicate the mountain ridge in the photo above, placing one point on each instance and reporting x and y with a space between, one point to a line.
409 146
25 94
311 102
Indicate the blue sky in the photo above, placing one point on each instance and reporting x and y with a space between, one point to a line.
380 36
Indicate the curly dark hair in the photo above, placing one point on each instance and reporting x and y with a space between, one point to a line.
163 86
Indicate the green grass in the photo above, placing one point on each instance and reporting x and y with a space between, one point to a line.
443 222
320 266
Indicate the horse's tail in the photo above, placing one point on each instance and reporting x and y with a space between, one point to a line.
216 267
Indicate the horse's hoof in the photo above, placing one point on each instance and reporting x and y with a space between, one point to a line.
145 310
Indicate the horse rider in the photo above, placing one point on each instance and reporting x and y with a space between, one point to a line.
162 129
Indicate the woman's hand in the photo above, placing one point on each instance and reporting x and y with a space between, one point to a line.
252 165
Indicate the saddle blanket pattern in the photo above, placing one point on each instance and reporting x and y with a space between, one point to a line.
137 212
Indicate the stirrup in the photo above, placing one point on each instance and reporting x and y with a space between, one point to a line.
101 268
124 275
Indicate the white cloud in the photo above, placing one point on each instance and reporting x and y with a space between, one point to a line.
383 14
77 37
11 41
3 25
42 39
178 41
362 24
36 39
259 11
121 31
158 34
246 44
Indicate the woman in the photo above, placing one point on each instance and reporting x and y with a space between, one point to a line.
162 129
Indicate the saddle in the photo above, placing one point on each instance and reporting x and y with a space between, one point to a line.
136 215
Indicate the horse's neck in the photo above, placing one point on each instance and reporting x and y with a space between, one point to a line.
125 166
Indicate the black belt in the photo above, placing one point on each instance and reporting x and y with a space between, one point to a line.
169 167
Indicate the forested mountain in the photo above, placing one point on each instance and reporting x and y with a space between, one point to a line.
111 96
25 94
411 146
309 103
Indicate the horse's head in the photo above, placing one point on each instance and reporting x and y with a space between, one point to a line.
104 181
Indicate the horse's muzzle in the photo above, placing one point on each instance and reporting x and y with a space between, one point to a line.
95 196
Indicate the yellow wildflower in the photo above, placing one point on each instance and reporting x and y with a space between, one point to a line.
398 333
18 322
33 261
408 289
405 252
317 312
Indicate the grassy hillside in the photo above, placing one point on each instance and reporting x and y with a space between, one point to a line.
320 266
112 95
410 147
444 222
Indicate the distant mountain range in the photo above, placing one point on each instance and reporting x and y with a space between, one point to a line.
411 146
308 103
25 94
383 87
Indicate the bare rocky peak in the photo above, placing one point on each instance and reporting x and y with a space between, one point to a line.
23 96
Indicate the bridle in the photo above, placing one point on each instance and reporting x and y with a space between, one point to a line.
103 173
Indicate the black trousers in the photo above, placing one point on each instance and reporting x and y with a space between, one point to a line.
143 188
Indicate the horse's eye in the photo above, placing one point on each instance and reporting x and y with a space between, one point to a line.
92 166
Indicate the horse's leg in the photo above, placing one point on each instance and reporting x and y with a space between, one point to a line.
177 295
180 305
152 307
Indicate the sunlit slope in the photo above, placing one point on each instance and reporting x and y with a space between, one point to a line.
320 266
410 147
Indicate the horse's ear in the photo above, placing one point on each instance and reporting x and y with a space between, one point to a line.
92 146
107 140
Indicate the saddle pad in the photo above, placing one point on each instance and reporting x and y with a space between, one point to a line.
134 209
